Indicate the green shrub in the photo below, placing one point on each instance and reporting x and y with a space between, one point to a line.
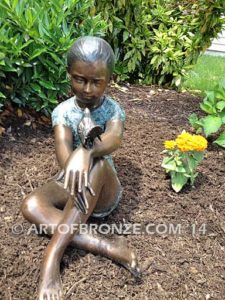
154 41
214 106
157 41
35 35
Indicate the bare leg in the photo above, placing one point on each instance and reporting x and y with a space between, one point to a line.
50 283
50 276
39 209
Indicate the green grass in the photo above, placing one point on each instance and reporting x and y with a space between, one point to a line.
208 71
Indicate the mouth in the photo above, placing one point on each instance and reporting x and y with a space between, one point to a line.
86 97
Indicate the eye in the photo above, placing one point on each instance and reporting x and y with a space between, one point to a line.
78 79
97 82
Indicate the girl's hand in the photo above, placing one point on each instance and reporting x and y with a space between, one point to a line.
77 176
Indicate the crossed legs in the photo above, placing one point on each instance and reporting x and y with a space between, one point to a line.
44 206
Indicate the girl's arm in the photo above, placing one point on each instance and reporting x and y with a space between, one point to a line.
63 144
77 167
110 139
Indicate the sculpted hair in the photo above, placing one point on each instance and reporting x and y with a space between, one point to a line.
90 49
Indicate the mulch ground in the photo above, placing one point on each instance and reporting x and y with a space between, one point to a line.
189 264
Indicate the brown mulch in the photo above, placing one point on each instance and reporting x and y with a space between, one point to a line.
176 266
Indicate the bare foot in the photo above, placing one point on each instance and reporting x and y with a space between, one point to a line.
124 256
50 287
132 264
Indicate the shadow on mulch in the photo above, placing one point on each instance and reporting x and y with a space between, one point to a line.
184 264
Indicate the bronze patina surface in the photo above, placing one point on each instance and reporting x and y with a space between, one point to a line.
87 181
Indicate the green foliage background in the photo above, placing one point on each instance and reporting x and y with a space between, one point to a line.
35 36
213 105
155 41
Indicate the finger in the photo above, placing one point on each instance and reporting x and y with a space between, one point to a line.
85 178
80 180
66 181
70 181
78 205
90 189
82 203
72 191
84 199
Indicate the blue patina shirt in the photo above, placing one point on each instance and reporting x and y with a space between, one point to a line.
68 113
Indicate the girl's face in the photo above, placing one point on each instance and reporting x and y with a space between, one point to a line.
88 81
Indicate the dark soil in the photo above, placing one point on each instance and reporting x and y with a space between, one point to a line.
176 266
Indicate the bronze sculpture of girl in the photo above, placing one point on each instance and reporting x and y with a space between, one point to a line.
87 184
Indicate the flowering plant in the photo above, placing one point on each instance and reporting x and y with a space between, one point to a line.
182 158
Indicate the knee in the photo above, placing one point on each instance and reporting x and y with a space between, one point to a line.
29 206
102 168
101 165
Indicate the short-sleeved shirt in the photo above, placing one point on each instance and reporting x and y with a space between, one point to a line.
68 113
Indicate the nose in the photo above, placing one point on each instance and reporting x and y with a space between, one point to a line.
87 87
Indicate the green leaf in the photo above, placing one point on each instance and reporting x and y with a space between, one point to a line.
199 130
26 65
198 156
37 52
220 94
2 95
17 100
128 54
2 55
35 87
220 105
210 95
178 180
208 107
211 124
193 177
180 169
193 118
169 164
47 84
222 116
125 35
56 58
220 140
192 164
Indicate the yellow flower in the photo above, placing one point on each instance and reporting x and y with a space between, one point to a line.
170 145
184 136
199 143
184 142
187 142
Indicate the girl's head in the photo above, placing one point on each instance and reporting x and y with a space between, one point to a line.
91 49
90 65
